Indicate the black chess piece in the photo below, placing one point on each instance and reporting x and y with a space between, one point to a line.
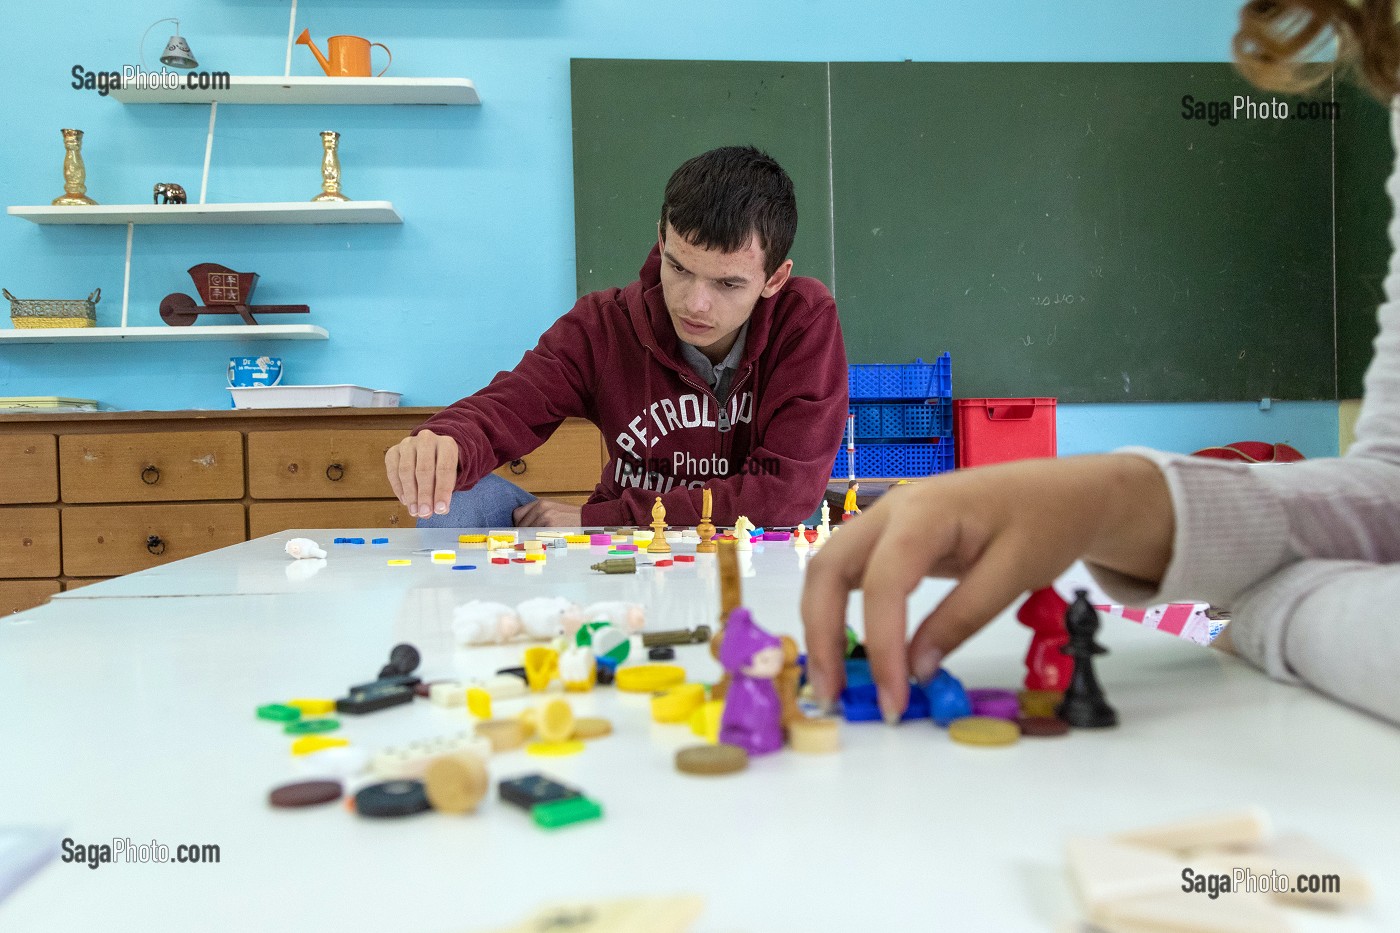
1084 706
403 660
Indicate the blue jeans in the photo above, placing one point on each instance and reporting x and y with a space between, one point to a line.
489 504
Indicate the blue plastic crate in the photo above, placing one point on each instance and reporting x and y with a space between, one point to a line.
897 460
900 420
916 380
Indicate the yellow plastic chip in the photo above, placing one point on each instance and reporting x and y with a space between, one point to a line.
555 722
400 562
479 703
705 720
576 539
648 678
554 749
678 703
471 539
315 743
444 556
313 707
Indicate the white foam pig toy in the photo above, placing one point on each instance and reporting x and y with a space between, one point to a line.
630 617
547 617
304 549
485 623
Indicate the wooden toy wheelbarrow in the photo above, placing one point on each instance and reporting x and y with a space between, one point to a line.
224 292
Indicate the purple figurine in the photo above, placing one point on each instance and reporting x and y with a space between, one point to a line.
752 713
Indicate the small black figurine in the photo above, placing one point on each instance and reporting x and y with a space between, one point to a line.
1084 706
171 192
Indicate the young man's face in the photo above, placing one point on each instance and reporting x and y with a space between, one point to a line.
710 294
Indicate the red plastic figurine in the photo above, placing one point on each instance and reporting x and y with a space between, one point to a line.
1046 667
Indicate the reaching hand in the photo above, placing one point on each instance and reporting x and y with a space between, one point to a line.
547 513
998 530
422 471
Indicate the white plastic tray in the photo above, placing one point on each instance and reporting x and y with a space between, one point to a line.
342 396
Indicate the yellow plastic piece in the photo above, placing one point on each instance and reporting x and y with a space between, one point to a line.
705 720
541 666
677 704
307 744
534 556
400 562
508 536
479 703
554 749
555 722
642 537
444 556
313 707
576 539
529 720
648 678
471 539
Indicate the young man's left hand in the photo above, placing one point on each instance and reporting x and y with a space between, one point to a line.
547 513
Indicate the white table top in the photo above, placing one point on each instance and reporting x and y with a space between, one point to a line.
134 717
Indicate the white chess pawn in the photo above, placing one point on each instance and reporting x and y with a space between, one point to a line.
799 538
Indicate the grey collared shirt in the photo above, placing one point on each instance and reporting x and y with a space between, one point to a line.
712 373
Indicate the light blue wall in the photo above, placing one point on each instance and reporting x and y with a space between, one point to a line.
484 260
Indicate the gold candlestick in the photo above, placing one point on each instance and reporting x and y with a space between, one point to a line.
74 172
330 168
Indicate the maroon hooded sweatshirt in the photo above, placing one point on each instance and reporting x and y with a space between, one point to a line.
615 360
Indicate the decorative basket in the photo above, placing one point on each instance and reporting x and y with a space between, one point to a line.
54 312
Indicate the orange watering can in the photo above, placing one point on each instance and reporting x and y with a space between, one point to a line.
349 55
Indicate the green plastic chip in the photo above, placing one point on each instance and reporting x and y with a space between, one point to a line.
277 712
310 726
559 813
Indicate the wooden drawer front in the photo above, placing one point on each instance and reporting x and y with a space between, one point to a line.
319 464
266 518
28 542
101 541
570 461
19 595
151 467
28 468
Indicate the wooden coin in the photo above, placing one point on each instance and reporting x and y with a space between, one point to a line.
592 727
503 734
456 783
814 736
712 759
983 730
304 793
1043 725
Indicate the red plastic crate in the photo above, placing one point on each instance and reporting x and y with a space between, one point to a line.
995 430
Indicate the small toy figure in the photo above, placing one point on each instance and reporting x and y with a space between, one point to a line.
577 668
171 192
752 712
304 549
1084 706
742 527
485 623
852 509
947 700
706 529
541 666
658 543
546 617
1047 667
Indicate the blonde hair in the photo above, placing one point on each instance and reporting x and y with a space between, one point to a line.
1281 43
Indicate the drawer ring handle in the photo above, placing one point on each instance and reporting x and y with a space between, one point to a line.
335 472
151 475
155 545
518 467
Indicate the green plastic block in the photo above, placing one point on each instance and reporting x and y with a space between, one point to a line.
559 813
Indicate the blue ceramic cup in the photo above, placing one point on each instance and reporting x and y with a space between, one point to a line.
254 371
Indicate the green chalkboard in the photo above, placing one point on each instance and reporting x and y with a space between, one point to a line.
1061 228
635 122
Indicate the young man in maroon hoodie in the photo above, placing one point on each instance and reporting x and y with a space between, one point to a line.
717 368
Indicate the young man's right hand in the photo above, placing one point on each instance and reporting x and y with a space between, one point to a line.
422 470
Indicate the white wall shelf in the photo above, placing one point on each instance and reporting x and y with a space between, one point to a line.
136 334
289 212
313 90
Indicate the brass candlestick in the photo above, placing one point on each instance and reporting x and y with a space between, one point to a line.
74 172
330 168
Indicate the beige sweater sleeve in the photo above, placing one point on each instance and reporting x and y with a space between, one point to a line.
1305 555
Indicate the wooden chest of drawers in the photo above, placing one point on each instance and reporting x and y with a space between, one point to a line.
89 496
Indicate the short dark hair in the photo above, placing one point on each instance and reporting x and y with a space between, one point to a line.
720 198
